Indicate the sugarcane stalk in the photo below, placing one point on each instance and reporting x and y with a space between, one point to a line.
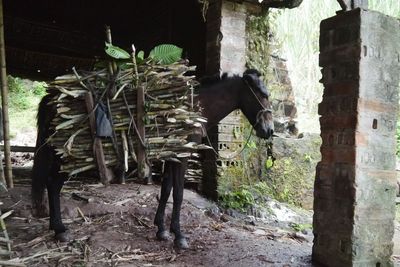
132 149
112 66
125 149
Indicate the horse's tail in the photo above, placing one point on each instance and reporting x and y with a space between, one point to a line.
42 159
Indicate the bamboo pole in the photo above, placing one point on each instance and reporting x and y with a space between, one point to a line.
112 65
141 154
4 102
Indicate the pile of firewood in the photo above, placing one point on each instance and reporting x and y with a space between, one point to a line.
170 115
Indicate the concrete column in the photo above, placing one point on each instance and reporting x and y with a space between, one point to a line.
226 52
355 183
233 43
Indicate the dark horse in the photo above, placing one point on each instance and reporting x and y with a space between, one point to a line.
217 98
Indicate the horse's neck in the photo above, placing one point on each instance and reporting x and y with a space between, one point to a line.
217 102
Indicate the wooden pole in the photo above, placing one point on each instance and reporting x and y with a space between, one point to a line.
105 174
112 64
347 5
141 156
4 102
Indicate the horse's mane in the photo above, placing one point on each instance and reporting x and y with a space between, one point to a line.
209 81
253 71
213 79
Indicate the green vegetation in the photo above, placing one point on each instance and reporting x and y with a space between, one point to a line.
299 42
24 98
25 95
388 7
297 30
240 199
287 181
163 54
290 178
166 54
259 46
299 227
239 187
245 196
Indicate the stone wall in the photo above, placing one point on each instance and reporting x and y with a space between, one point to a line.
263 54
355 183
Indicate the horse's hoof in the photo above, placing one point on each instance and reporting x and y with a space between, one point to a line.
63 237
181 243
163 235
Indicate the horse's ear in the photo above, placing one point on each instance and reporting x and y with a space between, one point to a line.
252 71
250 78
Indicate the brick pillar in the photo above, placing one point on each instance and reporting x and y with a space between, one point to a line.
226 36
226 52
233 43
354 204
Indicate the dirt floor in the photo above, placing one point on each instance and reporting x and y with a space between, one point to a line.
112 226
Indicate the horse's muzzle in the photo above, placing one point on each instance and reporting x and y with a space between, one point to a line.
265 131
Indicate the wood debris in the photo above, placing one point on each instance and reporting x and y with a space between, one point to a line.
5 242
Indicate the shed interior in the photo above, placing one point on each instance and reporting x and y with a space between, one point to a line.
45 38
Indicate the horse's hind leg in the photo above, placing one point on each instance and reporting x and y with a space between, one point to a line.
166 187
54 185
39 176
178 180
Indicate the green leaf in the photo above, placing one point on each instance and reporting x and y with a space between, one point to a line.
116 52
124 64
140 55
251 144
269 163
166 54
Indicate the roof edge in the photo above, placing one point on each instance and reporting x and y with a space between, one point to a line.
277 3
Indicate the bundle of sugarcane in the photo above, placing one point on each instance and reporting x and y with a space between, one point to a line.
170 115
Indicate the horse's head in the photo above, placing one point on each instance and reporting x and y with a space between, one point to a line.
255 105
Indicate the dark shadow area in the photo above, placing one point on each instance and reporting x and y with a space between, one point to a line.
46 38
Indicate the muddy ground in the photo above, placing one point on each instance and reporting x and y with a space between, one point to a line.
112 226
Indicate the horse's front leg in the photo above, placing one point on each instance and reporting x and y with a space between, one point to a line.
54 185
166 187
178 180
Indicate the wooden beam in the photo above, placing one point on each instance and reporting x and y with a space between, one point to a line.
4 102
347 5
24 149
